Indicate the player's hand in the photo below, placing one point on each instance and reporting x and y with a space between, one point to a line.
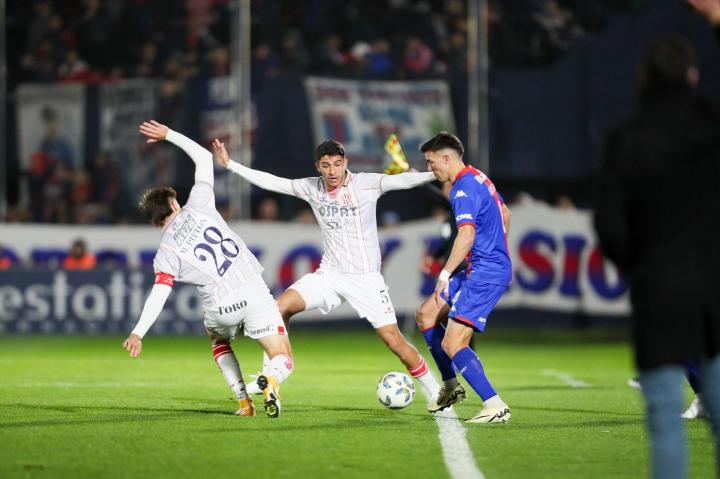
154 131
133 344
220 153
440 288
709 9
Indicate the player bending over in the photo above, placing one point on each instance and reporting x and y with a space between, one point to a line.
344 204
467 298
199 248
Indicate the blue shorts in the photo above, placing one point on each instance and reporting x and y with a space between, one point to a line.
471 301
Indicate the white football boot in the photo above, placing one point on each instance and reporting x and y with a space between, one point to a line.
696 410
447 397
491 415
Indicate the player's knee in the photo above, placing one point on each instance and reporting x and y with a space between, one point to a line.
424 317
451 346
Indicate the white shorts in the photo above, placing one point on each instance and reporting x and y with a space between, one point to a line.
251 308
367 294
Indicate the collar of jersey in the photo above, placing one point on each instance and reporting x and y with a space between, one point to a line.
463 172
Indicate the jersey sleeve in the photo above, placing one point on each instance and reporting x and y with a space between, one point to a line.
465 205
202 197
369 181
303 187
166 263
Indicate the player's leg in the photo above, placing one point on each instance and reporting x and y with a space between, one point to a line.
370 297
230 367
290 303
662 388
312 291
697 408
278 369
264 324
457 345
430 318
410 357
710 381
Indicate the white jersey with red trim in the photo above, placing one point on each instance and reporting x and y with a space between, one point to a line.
347 220
199 248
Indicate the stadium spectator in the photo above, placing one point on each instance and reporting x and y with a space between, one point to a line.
79 258
657 220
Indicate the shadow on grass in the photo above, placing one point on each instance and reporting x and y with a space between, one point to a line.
638 414
558 387
142 414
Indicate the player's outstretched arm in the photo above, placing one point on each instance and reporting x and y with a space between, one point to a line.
264 180
153 306
203 158
460 249
405 181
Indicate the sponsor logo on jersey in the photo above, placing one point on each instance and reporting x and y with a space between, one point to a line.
232 308
460 194
184 229
266 329
336 210
464 216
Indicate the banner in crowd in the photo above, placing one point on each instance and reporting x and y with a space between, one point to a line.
123 105
361 115
219 119
51 120
557 267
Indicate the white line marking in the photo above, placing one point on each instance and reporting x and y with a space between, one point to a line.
456 450
565 378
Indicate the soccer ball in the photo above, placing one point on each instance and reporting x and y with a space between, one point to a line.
395 390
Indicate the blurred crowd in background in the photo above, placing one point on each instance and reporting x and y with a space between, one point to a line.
388 39
100 41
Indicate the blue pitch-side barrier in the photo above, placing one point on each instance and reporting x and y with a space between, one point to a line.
81 302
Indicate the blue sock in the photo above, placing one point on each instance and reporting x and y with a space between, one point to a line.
693 375
433 338
469 365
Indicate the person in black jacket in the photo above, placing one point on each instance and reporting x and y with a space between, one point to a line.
657 218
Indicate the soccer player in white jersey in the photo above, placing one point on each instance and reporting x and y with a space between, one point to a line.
344 204
199 248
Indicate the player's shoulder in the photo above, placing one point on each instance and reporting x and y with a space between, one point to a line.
365 179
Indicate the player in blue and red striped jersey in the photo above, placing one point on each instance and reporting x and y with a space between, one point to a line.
467 297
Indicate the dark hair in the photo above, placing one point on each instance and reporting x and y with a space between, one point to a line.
667 61
330 148
443 140
155 204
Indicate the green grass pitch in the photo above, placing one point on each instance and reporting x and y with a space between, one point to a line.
79 407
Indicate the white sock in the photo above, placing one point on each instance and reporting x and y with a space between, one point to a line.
495 402
279 367
266 361
422 373
230 368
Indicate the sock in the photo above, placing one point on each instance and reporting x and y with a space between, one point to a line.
451 383
693 375
230 368
266 361
469 365
279 367
433 338
494 402
425 378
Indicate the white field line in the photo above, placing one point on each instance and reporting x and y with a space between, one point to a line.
565 378
455 448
